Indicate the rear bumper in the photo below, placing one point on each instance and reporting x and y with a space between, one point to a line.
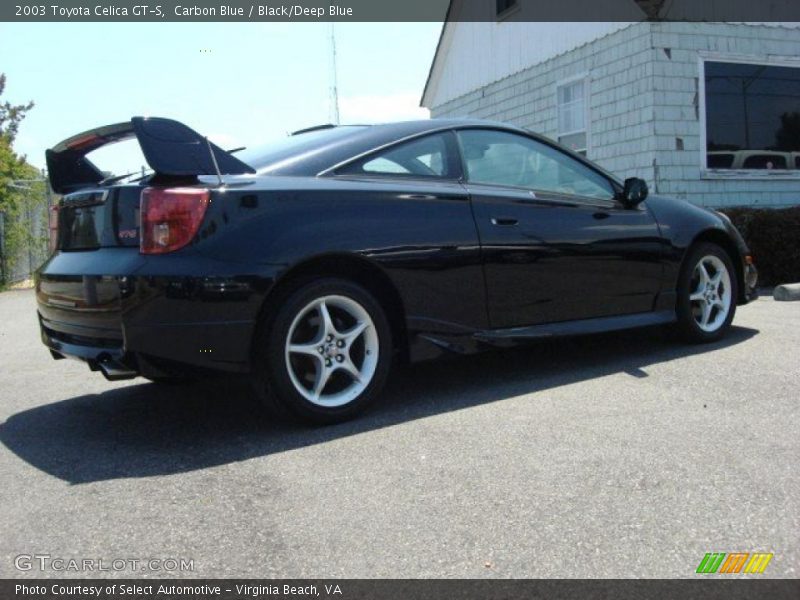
112 361
155 351
148 316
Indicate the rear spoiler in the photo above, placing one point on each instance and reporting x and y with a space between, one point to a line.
169 147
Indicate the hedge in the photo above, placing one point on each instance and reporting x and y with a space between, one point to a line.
773 235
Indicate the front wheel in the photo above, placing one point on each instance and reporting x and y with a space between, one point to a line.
707 292
326 354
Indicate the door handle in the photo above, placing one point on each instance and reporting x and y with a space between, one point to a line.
505 221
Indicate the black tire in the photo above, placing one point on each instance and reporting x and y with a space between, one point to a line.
687 326
272 379
171 380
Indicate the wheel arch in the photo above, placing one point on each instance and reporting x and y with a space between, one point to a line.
351 267
723 240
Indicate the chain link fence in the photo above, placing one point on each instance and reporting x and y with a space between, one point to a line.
24 230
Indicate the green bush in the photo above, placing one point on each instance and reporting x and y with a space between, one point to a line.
773 235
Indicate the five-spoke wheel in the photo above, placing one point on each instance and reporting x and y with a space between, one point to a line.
706 294
711 296
332 350
325 353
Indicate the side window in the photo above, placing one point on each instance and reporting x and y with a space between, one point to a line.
502 158
422 157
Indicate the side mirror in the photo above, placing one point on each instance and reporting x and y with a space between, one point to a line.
634 192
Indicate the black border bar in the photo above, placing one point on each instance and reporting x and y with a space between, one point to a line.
774 11
705 588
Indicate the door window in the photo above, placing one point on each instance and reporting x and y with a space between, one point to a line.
502 158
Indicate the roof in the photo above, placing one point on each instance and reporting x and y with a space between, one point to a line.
322 156
315 152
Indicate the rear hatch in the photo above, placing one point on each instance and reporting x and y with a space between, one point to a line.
92 219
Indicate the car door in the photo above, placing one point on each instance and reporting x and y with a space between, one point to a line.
410 210
556 244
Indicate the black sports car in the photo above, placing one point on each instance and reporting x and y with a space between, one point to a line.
310 263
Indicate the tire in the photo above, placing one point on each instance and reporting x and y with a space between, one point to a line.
323 367
707 293
171 380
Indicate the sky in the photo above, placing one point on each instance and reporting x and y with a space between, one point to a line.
241 84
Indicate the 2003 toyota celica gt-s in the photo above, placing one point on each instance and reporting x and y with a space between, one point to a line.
309 264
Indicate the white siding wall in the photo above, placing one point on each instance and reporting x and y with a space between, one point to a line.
476 53
641 100
677 110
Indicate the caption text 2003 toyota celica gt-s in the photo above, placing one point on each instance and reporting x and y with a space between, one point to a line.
310 264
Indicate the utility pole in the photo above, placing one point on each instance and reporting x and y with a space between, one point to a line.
334 99
2 248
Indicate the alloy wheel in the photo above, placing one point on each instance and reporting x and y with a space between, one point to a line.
711 297
332 351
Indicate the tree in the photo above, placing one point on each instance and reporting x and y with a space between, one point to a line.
11 166
15 205
11 115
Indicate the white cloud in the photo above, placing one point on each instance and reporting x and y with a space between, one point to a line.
379 109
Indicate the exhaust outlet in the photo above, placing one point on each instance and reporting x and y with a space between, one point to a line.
113 370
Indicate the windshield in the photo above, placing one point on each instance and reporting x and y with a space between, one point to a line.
285 150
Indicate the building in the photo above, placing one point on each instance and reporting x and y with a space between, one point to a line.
707 112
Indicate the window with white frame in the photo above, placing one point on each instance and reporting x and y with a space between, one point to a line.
752 116
572 126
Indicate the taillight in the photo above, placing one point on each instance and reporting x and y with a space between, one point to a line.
170 217
52 227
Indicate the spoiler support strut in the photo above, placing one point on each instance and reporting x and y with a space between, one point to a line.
214 159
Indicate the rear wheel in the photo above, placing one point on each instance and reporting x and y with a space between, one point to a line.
326 354
707 292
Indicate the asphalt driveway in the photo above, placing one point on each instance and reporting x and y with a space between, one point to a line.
625 455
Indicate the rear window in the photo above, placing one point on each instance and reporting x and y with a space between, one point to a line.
279 152
119 159
422 157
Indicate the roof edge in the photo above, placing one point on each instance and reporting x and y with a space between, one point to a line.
423 99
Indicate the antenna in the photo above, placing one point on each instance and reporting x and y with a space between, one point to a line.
334 87
214 160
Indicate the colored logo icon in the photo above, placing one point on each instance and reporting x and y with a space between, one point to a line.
736 562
